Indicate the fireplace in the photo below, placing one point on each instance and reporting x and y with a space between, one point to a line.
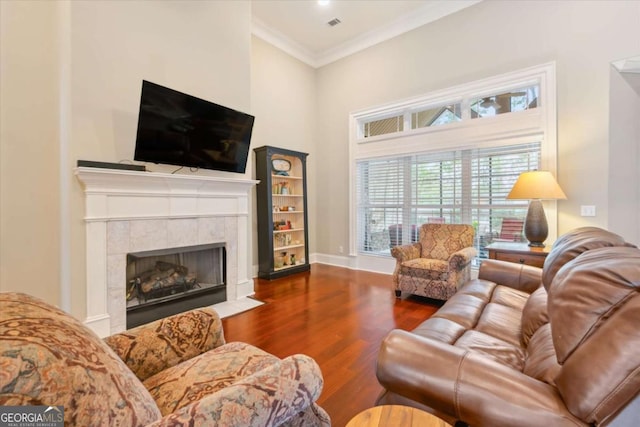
164 282
132 213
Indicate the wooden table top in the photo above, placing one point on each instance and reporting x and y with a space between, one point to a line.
395 416
518 247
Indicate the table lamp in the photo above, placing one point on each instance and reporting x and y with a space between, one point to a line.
535 186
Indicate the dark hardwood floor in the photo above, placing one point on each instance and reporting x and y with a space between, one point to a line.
337 316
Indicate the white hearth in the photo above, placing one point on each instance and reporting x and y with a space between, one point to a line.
129 211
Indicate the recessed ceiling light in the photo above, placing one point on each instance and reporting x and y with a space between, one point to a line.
323 2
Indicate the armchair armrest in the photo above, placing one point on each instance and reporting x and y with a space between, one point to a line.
467 385
460 259
404 253
266 398
151 348
523 277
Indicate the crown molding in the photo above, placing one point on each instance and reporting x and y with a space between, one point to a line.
422 16
282 42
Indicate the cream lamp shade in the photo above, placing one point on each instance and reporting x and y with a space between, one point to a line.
534 186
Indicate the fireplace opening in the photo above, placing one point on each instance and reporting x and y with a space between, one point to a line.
164 282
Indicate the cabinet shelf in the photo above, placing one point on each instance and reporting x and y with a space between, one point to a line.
269 201
283 248
286 267
287 231
274 177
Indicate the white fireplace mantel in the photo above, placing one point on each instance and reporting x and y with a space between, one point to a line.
127 211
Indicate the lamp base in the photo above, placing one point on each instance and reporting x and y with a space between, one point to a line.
536 245
536 229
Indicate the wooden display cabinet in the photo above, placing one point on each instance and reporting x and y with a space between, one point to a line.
283 242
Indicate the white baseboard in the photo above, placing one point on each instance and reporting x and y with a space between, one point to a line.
337 260
374 264
245 289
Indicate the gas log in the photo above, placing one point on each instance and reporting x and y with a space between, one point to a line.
164 279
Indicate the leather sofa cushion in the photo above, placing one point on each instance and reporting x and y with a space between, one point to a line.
541 362
594 311
440 329
482 317
501 321
534 314
494 348
570 245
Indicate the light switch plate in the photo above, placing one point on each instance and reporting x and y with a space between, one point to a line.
587 210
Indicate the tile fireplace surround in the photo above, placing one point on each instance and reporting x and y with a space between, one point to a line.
129 211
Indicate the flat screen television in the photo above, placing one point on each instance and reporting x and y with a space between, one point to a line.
179 129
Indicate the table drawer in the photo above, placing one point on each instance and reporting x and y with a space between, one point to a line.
534 260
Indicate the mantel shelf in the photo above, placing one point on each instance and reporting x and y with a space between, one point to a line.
116 181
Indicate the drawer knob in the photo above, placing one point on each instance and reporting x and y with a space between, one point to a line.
521 260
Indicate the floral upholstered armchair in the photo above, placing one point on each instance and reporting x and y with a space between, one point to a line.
172 372
437 264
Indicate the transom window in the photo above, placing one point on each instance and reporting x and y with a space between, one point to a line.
451 156
474 107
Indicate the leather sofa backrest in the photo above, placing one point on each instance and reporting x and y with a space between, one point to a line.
594 312
570 245
534 314
440 241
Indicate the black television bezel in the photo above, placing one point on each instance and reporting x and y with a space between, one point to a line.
239 166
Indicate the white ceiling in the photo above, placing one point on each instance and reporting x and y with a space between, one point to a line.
300 27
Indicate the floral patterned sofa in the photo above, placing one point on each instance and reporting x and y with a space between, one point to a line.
174 371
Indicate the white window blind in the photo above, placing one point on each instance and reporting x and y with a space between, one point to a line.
396 194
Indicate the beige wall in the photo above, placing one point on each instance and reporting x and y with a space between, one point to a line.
487 39
29 149
283 98
106 49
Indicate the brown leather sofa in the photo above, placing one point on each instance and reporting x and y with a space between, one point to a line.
506 351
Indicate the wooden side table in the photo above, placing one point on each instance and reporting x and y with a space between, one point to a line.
520 253
395 416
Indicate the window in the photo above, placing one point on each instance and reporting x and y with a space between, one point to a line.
435 116
451 156
505 102
463 186
383 126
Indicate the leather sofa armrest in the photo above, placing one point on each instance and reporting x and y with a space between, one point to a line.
155 346
266 398
466 385
404 253
460 259
523 277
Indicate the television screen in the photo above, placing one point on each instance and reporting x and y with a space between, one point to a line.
180 129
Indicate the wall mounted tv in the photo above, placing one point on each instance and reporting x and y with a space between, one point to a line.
179 129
